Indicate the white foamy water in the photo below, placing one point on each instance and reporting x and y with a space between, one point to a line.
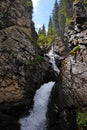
37 118
52 60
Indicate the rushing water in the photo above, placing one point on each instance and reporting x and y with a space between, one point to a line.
37 118
52 56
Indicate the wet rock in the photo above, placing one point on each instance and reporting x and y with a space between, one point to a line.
61 113
59 50
8 123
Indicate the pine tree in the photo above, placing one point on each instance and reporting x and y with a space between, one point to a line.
65 14
65 8
43 30
61 17
42 38
55 18
39 31
50 27
62 24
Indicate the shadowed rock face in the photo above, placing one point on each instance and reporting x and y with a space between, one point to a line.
17 13
14 12
22 70
69 94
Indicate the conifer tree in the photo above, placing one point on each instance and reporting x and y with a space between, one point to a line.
55 18
65 8
65 14
43 30
42 39
61 17
39 31
50 27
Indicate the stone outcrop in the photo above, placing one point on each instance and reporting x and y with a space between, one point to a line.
69 95
17 13
22 69
74 67
59 50
59 47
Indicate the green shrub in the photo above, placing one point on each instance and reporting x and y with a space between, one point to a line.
40 58
82 120
68 20
37 59
29 3
76 1
85 1
74 50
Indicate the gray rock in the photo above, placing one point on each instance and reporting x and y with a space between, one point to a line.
69 94
22 69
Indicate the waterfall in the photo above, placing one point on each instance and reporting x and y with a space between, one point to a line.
52 57
37 118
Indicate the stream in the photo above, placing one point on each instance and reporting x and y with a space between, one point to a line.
37 118
52 57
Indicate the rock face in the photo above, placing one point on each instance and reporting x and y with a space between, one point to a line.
74 67
22 69
59 50
59 47
17 13
69 95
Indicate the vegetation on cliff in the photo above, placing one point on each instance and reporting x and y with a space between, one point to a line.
82 120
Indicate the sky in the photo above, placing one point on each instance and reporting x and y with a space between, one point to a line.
42 11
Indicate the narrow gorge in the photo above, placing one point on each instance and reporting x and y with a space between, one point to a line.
42 87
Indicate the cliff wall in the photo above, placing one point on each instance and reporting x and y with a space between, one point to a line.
69 95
